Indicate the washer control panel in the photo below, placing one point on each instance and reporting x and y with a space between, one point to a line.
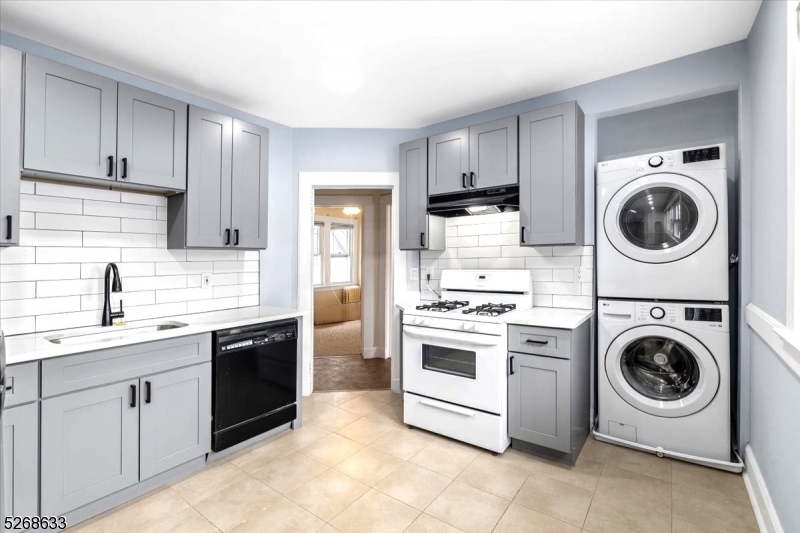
656 312
696 316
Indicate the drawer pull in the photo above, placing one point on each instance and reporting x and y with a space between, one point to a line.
133 395
511 366
146 392
534 341
450 408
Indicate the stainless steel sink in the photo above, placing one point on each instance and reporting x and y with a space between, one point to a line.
111 333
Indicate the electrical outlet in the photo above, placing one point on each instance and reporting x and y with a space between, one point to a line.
580 273
206 280
414 274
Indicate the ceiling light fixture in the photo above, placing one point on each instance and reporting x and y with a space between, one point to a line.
350 211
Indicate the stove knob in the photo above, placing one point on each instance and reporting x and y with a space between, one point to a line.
427 322
468 327
418 321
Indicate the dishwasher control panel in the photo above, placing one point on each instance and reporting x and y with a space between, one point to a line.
239 339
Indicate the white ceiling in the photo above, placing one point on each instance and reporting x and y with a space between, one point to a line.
378 64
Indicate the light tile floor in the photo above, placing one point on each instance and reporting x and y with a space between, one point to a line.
355 467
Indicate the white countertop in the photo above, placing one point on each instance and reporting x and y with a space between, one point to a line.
544 317
551 317
35 346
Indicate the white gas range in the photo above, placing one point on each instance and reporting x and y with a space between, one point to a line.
455 356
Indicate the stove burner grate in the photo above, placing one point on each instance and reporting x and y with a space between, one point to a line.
490 309
444 306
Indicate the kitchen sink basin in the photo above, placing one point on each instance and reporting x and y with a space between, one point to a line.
111 333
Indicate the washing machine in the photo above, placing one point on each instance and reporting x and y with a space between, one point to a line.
662 226
663 379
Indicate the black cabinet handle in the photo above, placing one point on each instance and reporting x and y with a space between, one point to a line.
534 341
511 366
472 179
8 227
124 168
422 239
464 180
236 237
110 166
522 235
133 395
227 236
146 392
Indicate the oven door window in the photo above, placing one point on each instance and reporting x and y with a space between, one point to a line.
460 363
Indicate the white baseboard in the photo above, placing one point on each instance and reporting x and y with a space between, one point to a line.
374 353
766 516
396 386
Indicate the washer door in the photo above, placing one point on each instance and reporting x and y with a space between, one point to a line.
660 218
662 371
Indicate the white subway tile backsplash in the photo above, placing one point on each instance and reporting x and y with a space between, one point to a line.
27 187
507 239
161 213
491 228
76 222
563 274
216 304
129 299
157 255
541 274
458 242
18 326
39 306
45 289
587 261
183 267
248 301
212 255
222 267
451 231
194 280
482 251
572 250
50 204
161 241
68 320
555 287
143 312
135 225
98 270
59 254
18 290
510 227
249 255
527 251
249 277
39 272
586 289
116 209
121 240
71 191
543 300
501 262
552 262
146 199
14 255
224 279
576 302
154 282
35 237
446 264
184 295
27 220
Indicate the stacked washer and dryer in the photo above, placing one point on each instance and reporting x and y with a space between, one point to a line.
664 358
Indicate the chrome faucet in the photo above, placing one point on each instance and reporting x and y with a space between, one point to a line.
108 315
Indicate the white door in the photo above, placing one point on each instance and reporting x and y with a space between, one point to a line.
662 371
462 368
660 218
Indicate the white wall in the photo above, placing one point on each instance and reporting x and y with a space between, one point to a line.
68 233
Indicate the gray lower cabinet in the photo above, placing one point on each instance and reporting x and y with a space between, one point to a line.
90 445
10 139
151 139
175 418
21 460
70 120
548 390
493 154
448 162
551 183
225 205
418 230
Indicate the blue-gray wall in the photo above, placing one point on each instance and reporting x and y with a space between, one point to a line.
774 389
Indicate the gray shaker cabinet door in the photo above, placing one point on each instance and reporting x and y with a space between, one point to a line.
10 139
90 446
208 187
70 120
151 140
493 154
413 195
21 460
448 162
538 401
551 176
249 185
175 418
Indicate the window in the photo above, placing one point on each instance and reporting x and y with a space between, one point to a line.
335 249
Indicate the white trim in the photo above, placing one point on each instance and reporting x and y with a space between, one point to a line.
793 167
766 515
777 336
307 182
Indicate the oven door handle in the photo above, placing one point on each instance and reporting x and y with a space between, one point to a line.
447 407
459 337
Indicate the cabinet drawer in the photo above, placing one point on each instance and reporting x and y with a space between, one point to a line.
75 372
539 341
22 384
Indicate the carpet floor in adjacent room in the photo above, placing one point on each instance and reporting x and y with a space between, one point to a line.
341 338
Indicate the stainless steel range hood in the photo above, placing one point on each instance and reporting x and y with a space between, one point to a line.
494 200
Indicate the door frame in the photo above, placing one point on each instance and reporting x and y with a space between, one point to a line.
401 289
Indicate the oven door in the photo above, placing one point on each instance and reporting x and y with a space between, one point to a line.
454 366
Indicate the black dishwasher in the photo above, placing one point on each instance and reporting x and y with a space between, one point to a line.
255 381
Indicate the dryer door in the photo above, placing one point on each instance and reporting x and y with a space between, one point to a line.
660 218
662 371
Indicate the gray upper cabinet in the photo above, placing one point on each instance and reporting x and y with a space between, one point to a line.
10 139
418 230
151 139
175 418
551 184
70 120
249 184
90 445
493 154
208 199
448 162
21 460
